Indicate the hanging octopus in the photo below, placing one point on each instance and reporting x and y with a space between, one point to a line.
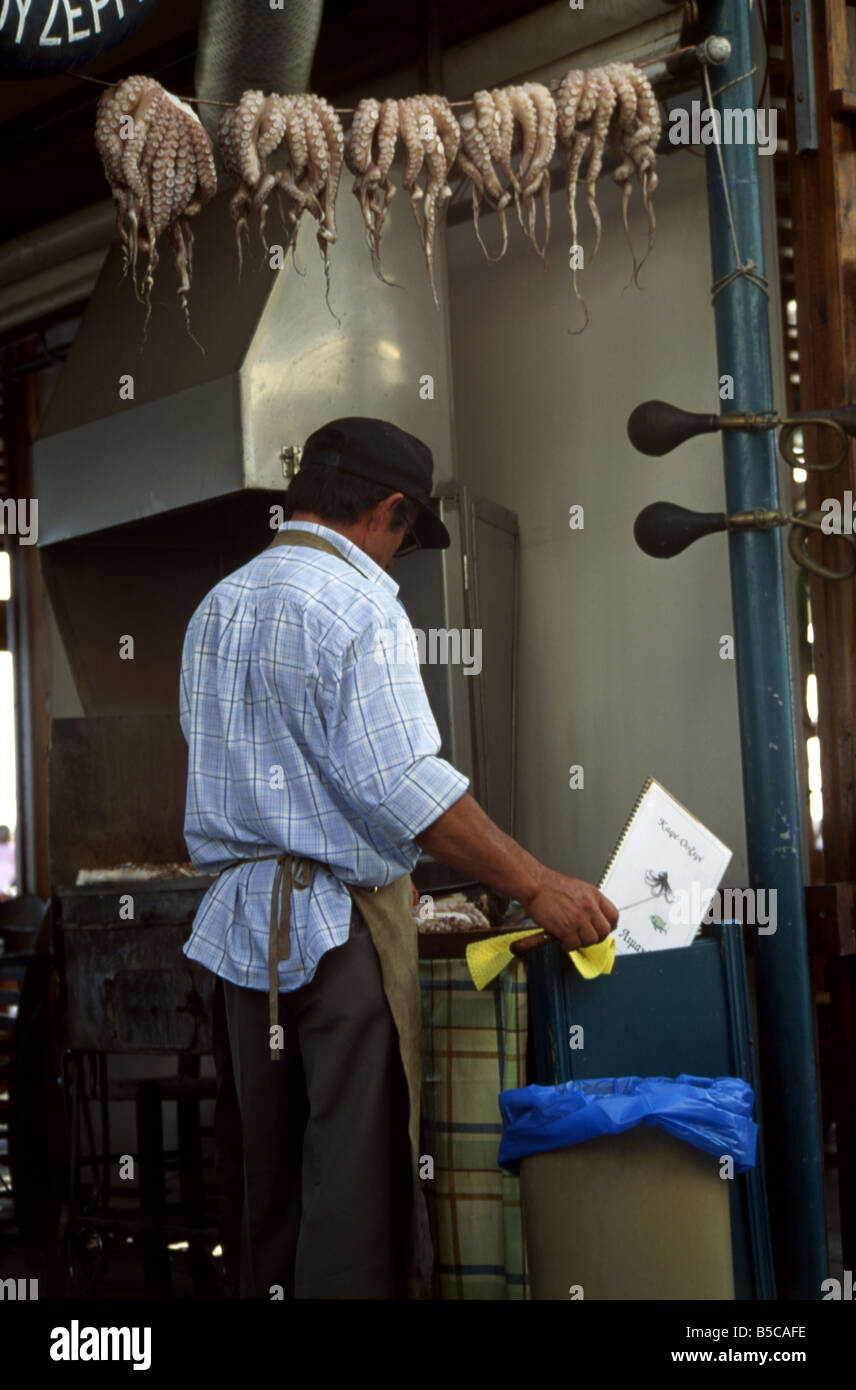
159 164
309 132
619 102
248 135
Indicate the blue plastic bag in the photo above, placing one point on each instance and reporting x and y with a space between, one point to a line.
713 1114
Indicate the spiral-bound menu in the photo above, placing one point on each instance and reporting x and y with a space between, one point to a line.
663 874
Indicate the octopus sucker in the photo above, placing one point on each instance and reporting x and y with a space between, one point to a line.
160 175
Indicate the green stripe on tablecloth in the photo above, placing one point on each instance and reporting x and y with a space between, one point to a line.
474 1046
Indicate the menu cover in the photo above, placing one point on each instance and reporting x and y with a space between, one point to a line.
663 874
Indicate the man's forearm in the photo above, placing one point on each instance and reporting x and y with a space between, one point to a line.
466 838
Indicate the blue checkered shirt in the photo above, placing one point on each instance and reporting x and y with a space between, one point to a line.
306 732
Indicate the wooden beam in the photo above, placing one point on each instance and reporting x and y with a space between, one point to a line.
823 191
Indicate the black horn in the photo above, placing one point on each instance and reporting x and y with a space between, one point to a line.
655 427
664 529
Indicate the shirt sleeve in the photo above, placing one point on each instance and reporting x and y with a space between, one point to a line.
382 738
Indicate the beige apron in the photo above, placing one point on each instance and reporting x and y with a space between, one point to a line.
387 913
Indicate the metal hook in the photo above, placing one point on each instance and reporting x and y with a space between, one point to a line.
798 538
786 438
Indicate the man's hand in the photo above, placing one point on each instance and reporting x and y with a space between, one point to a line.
571 910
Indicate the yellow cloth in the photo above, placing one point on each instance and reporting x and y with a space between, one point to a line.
486 958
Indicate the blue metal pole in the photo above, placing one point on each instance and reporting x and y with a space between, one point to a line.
769 750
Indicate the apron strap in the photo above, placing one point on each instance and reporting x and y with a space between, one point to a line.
291 872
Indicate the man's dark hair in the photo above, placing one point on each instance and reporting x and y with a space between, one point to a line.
340 497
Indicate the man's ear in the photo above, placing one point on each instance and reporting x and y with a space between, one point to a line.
387 507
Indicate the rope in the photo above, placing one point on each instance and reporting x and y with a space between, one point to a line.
746 270
734 81
349 110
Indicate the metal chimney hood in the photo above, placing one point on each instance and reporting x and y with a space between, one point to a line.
202 427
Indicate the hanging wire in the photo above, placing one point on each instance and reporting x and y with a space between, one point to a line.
349 110
746 270
734 81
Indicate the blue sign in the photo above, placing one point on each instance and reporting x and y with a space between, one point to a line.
40 37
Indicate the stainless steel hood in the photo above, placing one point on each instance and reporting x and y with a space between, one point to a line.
144 503
276 364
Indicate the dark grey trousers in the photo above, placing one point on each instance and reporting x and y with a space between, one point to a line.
327 1176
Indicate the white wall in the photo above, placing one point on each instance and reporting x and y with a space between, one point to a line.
619 653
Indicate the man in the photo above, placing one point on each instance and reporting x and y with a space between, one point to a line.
312 749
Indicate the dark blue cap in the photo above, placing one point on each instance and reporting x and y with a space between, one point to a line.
381 453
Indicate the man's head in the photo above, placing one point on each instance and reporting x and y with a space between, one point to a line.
371 481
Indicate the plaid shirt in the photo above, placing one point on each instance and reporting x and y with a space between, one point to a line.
306 732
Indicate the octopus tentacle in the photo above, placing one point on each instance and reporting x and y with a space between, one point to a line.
538 173
624 124
358 158
503 138
525 116
474 159
435 186
269 136
382 189
335 138
607 97
410 127
238 144
644 152
572 145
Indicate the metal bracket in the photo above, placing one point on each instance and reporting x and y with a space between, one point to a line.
802 55
291 455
